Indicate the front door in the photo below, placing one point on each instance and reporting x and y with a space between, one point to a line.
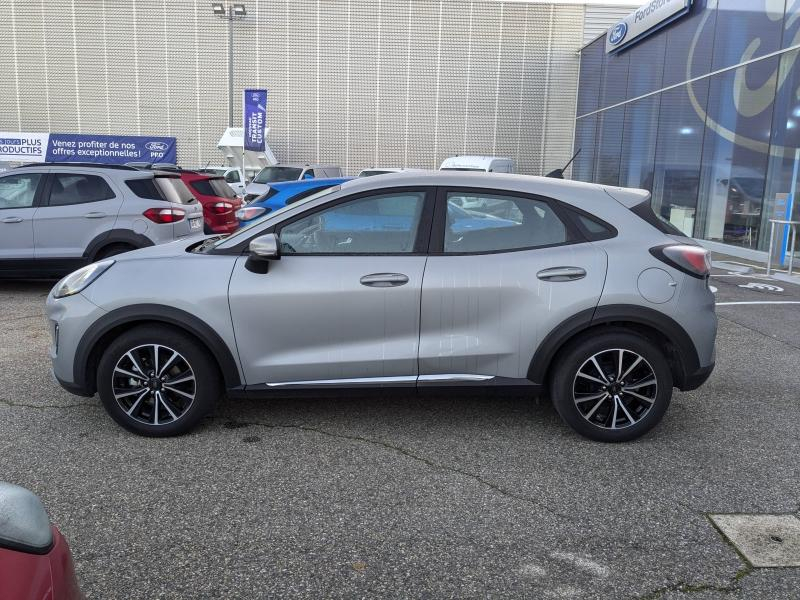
341 306
507 271
79 208
18 195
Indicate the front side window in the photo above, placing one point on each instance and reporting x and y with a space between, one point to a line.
18 191
485 222
75 188
381 224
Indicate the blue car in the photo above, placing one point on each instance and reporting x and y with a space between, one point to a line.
283 193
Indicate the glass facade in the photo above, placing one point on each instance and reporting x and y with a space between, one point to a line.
704 113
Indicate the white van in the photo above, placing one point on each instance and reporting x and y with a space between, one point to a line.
487 164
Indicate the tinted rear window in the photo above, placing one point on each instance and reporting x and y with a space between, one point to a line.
213 187
174 190
145 188
270 174
644 211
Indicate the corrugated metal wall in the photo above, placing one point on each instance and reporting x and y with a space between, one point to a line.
598 18
352 82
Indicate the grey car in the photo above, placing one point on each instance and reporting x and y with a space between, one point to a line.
56 217
577 291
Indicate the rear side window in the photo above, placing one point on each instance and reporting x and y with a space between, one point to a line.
644 211
174 190
485 222
145 188
18 191
75 188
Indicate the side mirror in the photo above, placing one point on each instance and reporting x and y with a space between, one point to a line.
263 249
265 246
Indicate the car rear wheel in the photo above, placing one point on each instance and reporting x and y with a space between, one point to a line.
612 387
113 250
157 381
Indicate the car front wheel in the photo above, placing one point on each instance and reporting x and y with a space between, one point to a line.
613 386
157 381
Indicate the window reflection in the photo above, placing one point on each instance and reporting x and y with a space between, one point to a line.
609 144
639 143
738 128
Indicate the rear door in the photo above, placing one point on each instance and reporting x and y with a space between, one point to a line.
19 196
78 208
501 275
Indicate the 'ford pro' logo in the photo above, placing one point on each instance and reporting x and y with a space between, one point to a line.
617 34
156 146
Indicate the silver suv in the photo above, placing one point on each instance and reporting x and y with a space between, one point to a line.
56 217
570 289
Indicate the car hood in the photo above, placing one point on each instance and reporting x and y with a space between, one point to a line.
176 248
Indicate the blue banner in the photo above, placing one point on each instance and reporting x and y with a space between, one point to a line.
110 149
255 119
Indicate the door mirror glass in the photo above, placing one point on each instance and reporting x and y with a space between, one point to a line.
265 246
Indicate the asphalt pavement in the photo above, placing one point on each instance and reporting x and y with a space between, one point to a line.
467 496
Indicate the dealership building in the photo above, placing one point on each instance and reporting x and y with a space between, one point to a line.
698 102
356 83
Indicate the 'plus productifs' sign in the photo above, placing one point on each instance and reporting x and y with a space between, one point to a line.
255 119
644 20
78 147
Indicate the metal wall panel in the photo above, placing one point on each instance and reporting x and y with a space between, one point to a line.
358 83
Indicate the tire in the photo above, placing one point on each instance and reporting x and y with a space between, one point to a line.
193 372
113 250
579 399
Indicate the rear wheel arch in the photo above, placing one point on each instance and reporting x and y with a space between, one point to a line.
656 327
109 327
113 238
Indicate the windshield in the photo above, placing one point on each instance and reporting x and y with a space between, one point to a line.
370 173
213 171
462 169
244 231
270 174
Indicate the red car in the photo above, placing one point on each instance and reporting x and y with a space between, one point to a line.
219 201
35 560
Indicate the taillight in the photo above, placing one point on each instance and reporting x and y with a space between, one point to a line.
164 215
694 260
251 212
220 208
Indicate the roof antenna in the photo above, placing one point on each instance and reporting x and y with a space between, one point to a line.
559 173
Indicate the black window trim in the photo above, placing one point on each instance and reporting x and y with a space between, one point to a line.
51 176
420 244
575 235
38 195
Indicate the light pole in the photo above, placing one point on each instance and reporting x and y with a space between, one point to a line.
230 11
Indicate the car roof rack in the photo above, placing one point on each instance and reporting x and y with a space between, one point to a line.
77 164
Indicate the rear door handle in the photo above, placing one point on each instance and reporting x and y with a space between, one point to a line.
95 215
12 220
561 274
384 279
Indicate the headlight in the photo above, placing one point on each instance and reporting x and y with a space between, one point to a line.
79 280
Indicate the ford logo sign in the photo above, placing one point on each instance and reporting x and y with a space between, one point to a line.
156 146
617 34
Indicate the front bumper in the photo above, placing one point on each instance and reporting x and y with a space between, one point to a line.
72 388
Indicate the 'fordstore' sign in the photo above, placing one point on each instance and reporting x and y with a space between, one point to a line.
643 21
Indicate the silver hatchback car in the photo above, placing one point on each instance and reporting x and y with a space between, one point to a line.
426 281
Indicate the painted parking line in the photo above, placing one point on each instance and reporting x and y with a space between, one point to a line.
760 302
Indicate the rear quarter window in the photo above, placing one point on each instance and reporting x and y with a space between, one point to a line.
145 188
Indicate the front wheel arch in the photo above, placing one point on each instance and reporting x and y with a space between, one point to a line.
115 323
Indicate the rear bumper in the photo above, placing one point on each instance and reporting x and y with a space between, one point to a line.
224 227
694 380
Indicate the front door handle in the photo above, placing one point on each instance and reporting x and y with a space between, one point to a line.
12 220
94 215
561 274
384 279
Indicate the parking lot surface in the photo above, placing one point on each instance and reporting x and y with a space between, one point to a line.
451 496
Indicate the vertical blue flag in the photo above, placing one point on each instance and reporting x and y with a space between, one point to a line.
255 119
